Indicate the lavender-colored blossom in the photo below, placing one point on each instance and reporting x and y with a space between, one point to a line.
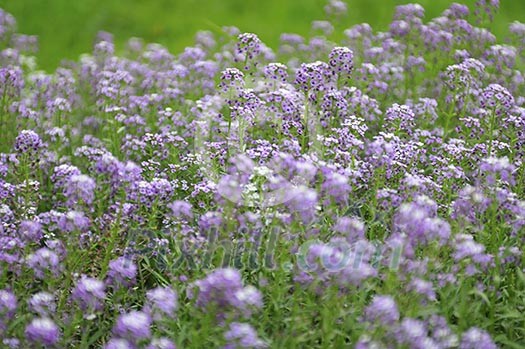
413 333
43 262
89 293
231 78
11 343
341 60
383 310
249 46
336 8
73 221
424 288
401 115
496 97
11 84
367 343
181 209
79 188
337 187
8 305
162 301
122 272
218 287
43 331
471 202
134 326
476 338
312 77
161 343
324 27
28 141
302 201
457 11
353 229
417 220
119 343
497 168
30 231
42 303
241 335
276 72
466 247
223 290
246 299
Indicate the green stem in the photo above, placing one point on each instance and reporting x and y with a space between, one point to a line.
111 245
491 130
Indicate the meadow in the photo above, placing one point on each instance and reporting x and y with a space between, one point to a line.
316 182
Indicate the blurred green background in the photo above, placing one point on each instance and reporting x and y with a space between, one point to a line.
67 28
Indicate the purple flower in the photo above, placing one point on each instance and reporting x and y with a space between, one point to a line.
231 78
441 332
122 272
161 343
119 343
42 303
43 330
351 228
89 293
8 306
248 47
336 8
162 301
337 187
424 288
134 326
11 79
476 338
464 75
302 201
471 202
457 11
30 231
496 97
414 333
223 289
210 220
11 343
44 261
324 27
402 116
79 188
276 72
241 335
218 287
312 77
493 167
341 60
246 299
27 142
417 220
466 247
181 209
382 310
367 343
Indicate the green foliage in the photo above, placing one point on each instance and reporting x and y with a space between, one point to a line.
67 28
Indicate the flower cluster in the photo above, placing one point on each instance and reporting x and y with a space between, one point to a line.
367 192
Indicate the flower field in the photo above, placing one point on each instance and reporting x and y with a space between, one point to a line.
365 193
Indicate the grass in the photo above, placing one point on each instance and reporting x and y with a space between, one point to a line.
67 28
